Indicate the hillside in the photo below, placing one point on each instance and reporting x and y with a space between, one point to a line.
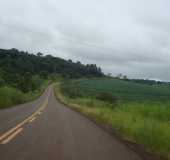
23 76
19 69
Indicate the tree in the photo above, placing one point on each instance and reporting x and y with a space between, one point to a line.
17 68
70 61
26 82
119 76
2 82
125 77
43 74
39 54
109 74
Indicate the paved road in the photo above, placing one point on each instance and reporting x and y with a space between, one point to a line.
47 130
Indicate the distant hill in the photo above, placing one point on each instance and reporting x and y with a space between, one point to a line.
15 64
147 81
20 62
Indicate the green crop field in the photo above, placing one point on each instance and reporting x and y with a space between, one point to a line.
142 115
125 90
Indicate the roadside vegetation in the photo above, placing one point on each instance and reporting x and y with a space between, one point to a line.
23 76
10 96
138 112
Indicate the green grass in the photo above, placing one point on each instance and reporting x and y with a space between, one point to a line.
124 90
145 121
10 96
36 93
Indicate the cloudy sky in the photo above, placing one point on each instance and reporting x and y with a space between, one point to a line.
122 36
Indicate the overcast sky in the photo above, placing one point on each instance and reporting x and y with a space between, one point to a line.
122 36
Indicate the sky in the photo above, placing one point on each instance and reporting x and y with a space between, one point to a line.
122 36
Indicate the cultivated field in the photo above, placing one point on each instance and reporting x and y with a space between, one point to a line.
140 113
124 90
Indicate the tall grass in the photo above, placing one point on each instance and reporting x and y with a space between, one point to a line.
36 93
10 96
146 123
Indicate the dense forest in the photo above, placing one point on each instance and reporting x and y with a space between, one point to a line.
25 71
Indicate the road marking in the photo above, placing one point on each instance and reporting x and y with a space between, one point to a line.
14 134
10 131
32 120
39 112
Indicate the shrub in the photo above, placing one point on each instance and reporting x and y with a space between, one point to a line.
107 97
10 96
71 91
2 82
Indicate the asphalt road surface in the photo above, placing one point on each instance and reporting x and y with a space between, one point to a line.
47 130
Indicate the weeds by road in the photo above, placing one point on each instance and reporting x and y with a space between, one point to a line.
145 123
10 96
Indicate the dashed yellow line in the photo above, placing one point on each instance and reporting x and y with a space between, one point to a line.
32 120
39 112
14 134
17 128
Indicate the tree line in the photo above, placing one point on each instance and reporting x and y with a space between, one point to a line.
25 70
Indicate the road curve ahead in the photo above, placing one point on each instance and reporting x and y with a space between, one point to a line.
47 130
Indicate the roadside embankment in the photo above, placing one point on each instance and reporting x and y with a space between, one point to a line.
146 124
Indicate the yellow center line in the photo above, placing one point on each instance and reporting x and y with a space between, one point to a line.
39 112
33 119
14 134
10 131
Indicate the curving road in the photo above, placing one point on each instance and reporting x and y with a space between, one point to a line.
47 130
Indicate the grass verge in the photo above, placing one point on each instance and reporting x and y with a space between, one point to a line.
147 123
11 96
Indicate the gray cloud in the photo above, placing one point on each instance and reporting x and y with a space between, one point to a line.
131 37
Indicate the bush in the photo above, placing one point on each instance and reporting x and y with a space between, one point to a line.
36 82
70 90
2 82
107 97
10 96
